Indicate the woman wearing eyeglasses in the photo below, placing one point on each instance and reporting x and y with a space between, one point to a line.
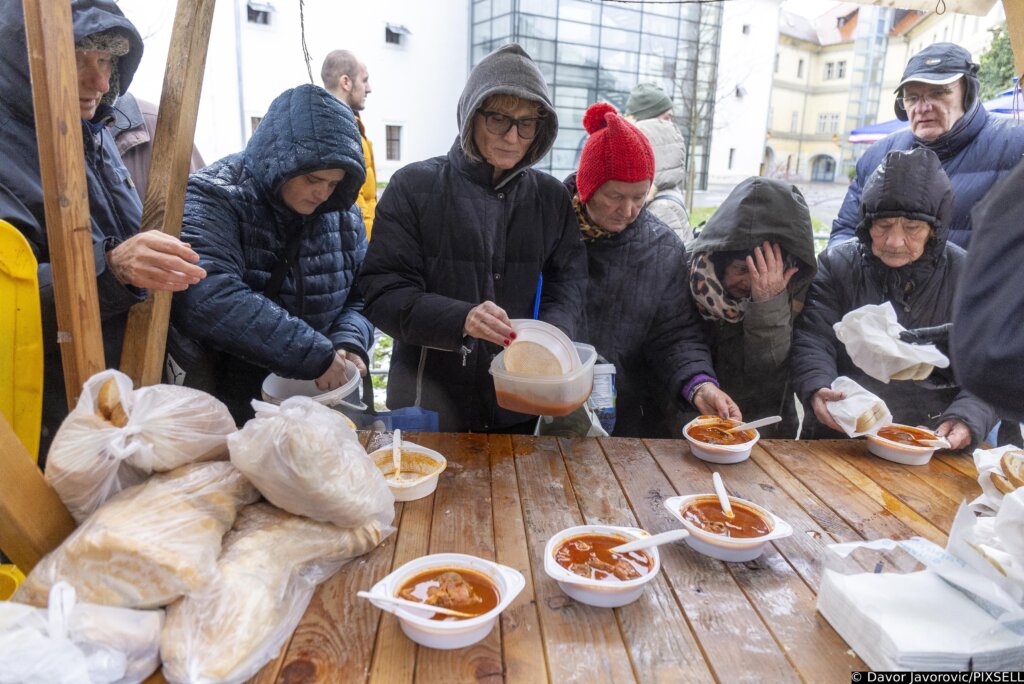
460 242
900 255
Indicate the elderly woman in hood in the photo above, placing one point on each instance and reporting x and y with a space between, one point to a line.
750 269
665 198
901 255
459 244
640 315
108 49
277 233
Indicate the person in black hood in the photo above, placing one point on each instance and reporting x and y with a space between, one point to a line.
282 242
938 95
750 269
459 243
640 315
901 255
108 49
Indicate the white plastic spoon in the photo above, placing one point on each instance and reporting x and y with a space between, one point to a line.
770 420
653 540
396 453
413 604
723 496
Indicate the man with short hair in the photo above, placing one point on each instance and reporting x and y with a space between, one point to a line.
108 49
346 78
938 94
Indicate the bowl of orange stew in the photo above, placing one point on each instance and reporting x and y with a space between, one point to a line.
741 538
899 443
710 441
580 560
468 584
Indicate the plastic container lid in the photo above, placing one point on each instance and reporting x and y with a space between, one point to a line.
276 389
545 395
550 339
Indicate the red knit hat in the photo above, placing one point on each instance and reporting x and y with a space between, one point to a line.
615 150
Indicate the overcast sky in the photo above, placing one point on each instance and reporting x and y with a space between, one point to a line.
808 8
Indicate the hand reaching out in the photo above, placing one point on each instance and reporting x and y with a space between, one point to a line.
711 401
768 275
956 433
154 260
488 321
821 411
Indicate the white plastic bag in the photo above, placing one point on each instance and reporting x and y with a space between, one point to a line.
303 457
871 335
92 459
861 412
151 543
69 643
271 564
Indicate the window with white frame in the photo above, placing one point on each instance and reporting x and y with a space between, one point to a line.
393 143
259 12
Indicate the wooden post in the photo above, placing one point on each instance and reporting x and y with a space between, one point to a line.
1015 27
51 58
33 521
145 339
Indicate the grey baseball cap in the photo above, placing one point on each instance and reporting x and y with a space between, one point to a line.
938 64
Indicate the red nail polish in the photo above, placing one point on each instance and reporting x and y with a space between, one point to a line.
508 342
512 336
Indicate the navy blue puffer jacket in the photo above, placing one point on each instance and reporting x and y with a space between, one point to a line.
115 211
236 220
976 152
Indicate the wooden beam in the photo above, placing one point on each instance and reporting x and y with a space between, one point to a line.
51 58
33 521
145 339
1015 27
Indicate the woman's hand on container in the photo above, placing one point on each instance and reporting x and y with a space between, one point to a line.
768 275
336 375
821 410
712 401
488 321
956 433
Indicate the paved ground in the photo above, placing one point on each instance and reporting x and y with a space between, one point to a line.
823 199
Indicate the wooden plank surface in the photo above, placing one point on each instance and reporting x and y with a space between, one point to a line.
51 58
142 357
503 497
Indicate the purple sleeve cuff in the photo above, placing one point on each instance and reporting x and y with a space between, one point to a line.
696 380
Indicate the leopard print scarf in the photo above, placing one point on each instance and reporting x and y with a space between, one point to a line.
712 301
590 231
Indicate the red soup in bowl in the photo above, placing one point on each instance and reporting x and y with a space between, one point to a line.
590 556
713 430
456 588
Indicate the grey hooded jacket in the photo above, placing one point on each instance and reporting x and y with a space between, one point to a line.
446 238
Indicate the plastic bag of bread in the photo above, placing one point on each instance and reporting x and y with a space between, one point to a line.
116 436
77 642
151 543
871 335
271 564
861 412
304 458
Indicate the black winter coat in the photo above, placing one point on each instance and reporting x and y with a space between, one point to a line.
922 294
980 149
445 239
987 340
237 222
641 317
115 211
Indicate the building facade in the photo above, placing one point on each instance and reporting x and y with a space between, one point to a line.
593 51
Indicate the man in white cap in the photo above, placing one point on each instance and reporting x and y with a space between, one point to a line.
938 95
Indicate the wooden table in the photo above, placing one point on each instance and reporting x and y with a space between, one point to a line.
503 496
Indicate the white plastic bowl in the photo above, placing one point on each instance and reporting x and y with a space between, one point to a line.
410 490
276 389
603 594
907 454
550 338
545 396
722 454
722 547
448 634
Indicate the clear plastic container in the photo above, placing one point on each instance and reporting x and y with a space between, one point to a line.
545 396
276 389
549 338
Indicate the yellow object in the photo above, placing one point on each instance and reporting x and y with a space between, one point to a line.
367 197
10 579
21 345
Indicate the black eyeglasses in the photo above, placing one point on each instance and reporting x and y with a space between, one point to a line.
908 102
499 124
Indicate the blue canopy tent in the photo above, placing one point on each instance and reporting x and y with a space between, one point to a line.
1003 103
875 132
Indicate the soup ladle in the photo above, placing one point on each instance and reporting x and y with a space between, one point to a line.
761 422
414 605
723 496
653 540
396 453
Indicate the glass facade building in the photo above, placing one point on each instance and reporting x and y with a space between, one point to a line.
591 51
